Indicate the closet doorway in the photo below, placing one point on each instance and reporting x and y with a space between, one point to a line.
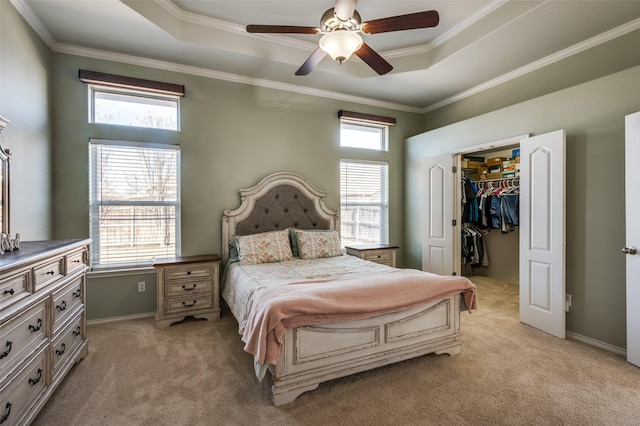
541 234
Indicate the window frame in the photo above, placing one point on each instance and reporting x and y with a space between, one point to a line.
354 125
384 204
143 94
94 205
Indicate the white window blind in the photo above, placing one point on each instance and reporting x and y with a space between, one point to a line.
364 202
134 203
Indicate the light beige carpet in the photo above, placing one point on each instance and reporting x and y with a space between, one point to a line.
196 373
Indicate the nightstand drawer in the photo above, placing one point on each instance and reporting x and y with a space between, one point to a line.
188 287
188 271
186 304
378 256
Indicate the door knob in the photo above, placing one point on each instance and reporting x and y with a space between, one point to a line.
630 250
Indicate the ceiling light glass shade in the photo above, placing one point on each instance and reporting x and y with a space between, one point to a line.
340 45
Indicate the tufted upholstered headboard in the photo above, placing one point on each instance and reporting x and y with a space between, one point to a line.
281 200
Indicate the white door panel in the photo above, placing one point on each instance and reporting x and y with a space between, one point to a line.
542 232
632 206
437 241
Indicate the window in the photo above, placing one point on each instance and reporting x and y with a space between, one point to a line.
133 108
358 135
364 202
134 203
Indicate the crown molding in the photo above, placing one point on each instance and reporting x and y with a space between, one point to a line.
534 66
32 19
219 75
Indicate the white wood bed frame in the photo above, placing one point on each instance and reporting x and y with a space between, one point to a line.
315 354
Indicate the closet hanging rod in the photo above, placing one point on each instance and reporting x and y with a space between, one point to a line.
497 180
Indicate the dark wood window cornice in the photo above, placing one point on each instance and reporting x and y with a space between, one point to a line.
366 118
123 82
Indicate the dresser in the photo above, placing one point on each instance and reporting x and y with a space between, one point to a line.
379 253
187 286
42 323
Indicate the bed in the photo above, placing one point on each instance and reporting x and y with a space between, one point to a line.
309 313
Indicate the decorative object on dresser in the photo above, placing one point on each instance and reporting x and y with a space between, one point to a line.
187 286
42 322
383 254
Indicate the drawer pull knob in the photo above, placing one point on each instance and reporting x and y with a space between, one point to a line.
76 332
60 352
61 307
193 287
37 379
8 412
76 261
50 272
8 351
35 328
188 305
188 272
76 294
10 291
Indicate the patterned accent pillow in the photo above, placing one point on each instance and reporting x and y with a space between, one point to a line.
265 247
318 244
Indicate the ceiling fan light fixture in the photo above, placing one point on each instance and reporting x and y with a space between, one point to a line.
340 45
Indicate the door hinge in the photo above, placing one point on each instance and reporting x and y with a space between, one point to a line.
454 222
454 169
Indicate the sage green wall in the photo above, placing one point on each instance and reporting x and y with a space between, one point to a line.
232 135
24 101
593 115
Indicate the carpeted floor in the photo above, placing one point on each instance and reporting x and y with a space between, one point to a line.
195 373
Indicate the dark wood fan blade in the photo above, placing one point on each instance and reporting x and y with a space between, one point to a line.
373 59
282 29
411 21
344 9
311 62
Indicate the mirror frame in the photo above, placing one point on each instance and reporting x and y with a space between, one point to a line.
5 161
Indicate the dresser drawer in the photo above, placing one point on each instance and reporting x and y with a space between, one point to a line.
21 335
76 261
188 287
187 304
188 271
66 301
14 287
65 344
47 273
23 390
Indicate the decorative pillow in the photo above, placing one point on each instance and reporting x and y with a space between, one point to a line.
294 239
266 247
318 244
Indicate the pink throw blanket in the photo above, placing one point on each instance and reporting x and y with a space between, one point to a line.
334 300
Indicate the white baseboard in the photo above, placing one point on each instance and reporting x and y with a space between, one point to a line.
596 343
122 318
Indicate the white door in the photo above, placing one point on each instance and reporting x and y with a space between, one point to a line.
437 241
632 206
542 232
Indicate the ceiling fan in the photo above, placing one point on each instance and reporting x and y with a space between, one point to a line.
340 26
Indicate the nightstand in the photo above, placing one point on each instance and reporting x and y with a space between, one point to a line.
187 286
379 253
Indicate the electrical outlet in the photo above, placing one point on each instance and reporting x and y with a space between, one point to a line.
567 302
141 286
